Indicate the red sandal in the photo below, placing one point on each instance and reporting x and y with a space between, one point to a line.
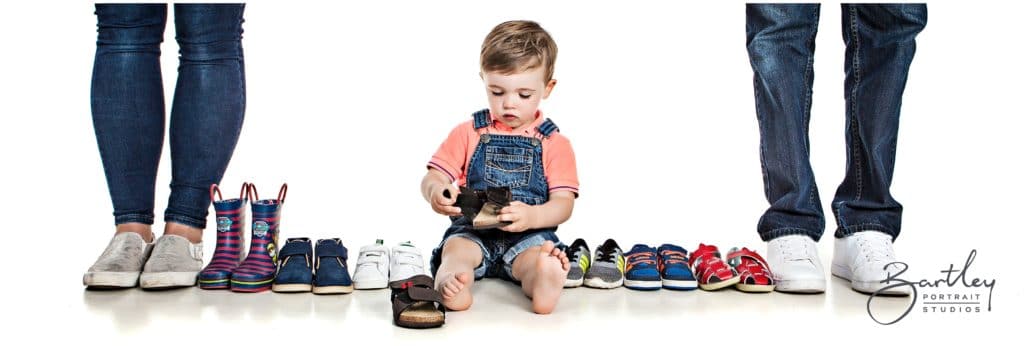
755 276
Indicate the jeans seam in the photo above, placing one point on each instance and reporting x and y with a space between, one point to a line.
854 111
808 71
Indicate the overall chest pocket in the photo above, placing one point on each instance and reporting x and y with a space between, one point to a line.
508 166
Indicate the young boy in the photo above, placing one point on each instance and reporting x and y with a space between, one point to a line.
510 144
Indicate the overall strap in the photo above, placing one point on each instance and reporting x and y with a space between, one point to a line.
547 128
481 119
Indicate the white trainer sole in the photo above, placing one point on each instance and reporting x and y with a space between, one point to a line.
167 279
110 279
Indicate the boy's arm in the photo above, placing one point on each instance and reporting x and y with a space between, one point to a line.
432 188
553 213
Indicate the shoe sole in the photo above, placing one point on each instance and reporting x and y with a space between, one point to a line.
291 288
168 279
369 284
800 286
868 287
110 279
679 285
643 285
598 283
251 286
332 289
214 284
751 288
720 285
569 283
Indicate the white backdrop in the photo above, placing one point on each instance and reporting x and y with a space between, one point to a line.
348 100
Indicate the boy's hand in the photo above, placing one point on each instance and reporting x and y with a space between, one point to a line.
443 204
521 215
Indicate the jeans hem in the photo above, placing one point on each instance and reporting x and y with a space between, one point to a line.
185 220
133 218
843 232
784 231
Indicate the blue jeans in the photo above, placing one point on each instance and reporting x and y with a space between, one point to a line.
879 48
128 105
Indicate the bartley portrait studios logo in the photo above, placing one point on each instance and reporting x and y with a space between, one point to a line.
954 292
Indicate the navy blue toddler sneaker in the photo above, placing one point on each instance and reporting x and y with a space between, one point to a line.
331 268
294 266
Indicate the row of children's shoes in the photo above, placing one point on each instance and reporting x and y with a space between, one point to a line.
669 266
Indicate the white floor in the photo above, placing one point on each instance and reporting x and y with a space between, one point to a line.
501 312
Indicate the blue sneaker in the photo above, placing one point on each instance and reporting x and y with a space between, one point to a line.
642 269
331 268
294 266
674 266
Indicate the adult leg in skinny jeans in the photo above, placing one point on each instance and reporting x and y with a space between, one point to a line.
206 117
128 118
208 109
780 43
879 48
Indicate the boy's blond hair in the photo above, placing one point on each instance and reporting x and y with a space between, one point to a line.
517 46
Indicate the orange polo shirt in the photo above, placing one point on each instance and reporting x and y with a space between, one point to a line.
453 156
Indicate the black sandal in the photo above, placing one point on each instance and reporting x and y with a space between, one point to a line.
483 206
416 304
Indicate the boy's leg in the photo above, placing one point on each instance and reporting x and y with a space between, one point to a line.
460 257
542 270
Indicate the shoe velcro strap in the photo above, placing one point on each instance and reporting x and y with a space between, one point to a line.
332 251
749 254
423 294
294 251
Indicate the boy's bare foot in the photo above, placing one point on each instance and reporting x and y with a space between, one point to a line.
455 293
552 266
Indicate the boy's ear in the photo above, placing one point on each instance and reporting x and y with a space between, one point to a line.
549 87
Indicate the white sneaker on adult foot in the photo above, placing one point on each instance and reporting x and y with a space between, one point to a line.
371 267
795 264
861 258
406 262
174 262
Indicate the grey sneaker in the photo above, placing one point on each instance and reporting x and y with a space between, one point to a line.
175 262
579 262
120 264
606 271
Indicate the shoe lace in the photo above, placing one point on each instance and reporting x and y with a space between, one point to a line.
605 256
876 249
641 258
795 250
673 257
573 253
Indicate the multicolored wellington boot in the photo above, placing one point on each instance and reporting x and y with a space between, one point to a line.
256 273
230 239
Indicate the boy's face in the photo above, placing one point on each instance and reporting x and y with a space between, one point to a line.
514 98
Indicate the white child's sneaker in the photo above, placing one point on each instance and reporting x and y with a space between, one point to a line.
862 257
406 262
372 267
795 264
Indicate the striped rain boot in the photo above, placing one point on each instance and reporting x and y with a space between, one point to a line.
230 239
256 274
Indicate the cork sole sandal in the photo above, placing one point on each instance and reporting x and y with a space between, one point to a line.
416 304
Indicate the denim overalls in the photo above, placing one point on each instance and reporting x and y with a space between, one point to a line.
503 160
